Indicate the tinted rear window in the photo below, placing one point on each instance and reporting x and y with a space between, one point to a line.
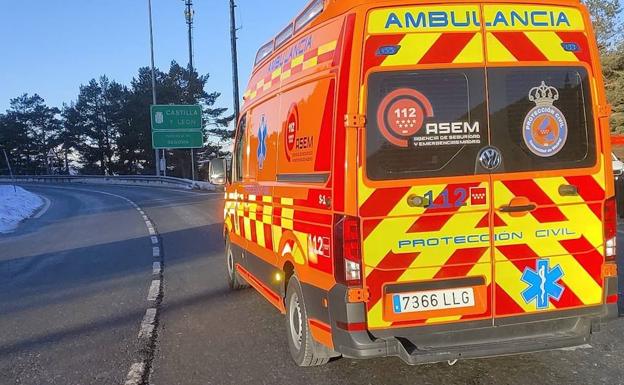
541 118
425 123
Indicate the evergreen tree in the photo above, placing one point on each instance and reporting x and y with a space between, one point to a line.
32 132
605 17
99 110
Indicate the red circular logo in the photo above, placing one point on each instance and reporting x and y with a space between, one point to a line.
290 131
401 115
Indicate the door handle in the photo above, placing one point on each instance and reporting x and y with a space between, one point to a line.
568 190
518 209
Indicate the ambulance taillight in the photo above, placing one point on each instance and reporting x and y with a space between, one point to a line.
610 229
347 251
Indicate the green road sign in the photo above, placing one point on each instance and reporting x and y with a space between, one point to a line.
177 127
186 118
177 139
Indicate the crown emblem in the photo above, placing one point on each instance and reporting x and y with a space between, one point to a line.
544 95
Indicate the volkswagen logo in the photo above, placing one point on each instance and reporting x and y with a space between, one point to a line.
490 158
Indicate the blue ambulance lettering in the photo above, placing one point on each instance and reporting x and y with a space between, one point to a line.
530 19
433 19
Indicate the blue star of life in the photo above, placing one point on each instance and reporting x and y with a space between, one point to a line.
262 147
543 284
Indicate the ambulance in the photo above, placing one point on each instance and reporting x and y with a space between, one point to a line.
426 180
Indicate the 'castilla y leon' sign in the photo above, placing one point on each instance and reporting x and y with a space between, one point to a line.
177 126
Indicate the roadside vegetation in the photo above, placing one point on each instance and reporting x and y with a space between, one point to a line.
106 130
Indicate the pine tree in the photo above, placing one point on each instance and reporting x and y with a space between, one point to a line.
99 116
605 17
609 34
33 128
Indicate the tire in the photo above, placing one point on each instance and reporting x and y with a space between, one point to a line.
235 282
303 349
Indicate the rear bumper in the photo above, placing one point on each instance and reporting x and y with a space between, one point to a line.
481 339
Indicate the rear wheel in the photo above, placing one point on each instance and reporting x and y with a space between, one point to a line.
304 350
234 280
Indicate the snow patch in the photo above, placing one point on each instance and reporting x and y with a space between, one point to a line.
15 206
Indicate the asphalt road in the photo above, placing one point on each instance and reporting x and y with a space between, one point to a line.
73 286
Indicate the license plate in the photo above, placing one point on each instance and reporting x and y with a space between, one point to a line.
433 300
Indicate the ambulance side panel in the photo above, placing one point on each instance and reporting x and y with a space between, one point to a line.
287 193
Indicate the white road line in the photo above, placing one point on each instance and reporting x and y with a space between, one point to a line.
151 230
44 208
135 375
156 251
147 326
154 291
156 268
586 346
154 240
145 217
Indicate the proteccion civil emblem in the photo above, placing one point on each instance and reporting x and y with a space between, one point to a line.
545 128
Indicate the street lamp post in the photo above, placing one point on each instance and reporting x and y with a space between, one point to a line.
154 101
234 62
188 14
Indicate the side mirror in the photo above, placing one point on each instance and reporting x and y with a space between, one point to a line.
217 172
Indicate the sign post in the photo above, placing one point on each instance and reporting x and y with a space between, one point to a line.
6 157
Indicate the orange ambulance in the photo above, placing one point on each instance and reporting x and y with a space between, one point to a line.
427 180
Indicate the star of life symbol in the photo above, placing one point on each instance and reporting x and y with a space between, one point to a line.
262 147
543 284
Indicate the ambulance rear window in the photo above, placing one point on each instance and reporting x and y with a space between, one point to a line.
541 118
425 123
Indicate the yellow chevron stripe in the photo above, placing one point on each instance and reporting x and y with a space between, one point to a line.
364 192
375 316
549 44
413 48
497 52
296 61
299 253
473 52
277 236
252 211
286 74
509 278
260 233
310 63
267 215
328 47
287 218
600 176
247 223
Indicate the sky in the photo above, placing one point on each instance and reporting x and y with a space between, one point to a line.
51 47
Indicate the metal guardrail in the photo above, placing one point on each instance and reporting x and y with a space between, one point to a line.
137 180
